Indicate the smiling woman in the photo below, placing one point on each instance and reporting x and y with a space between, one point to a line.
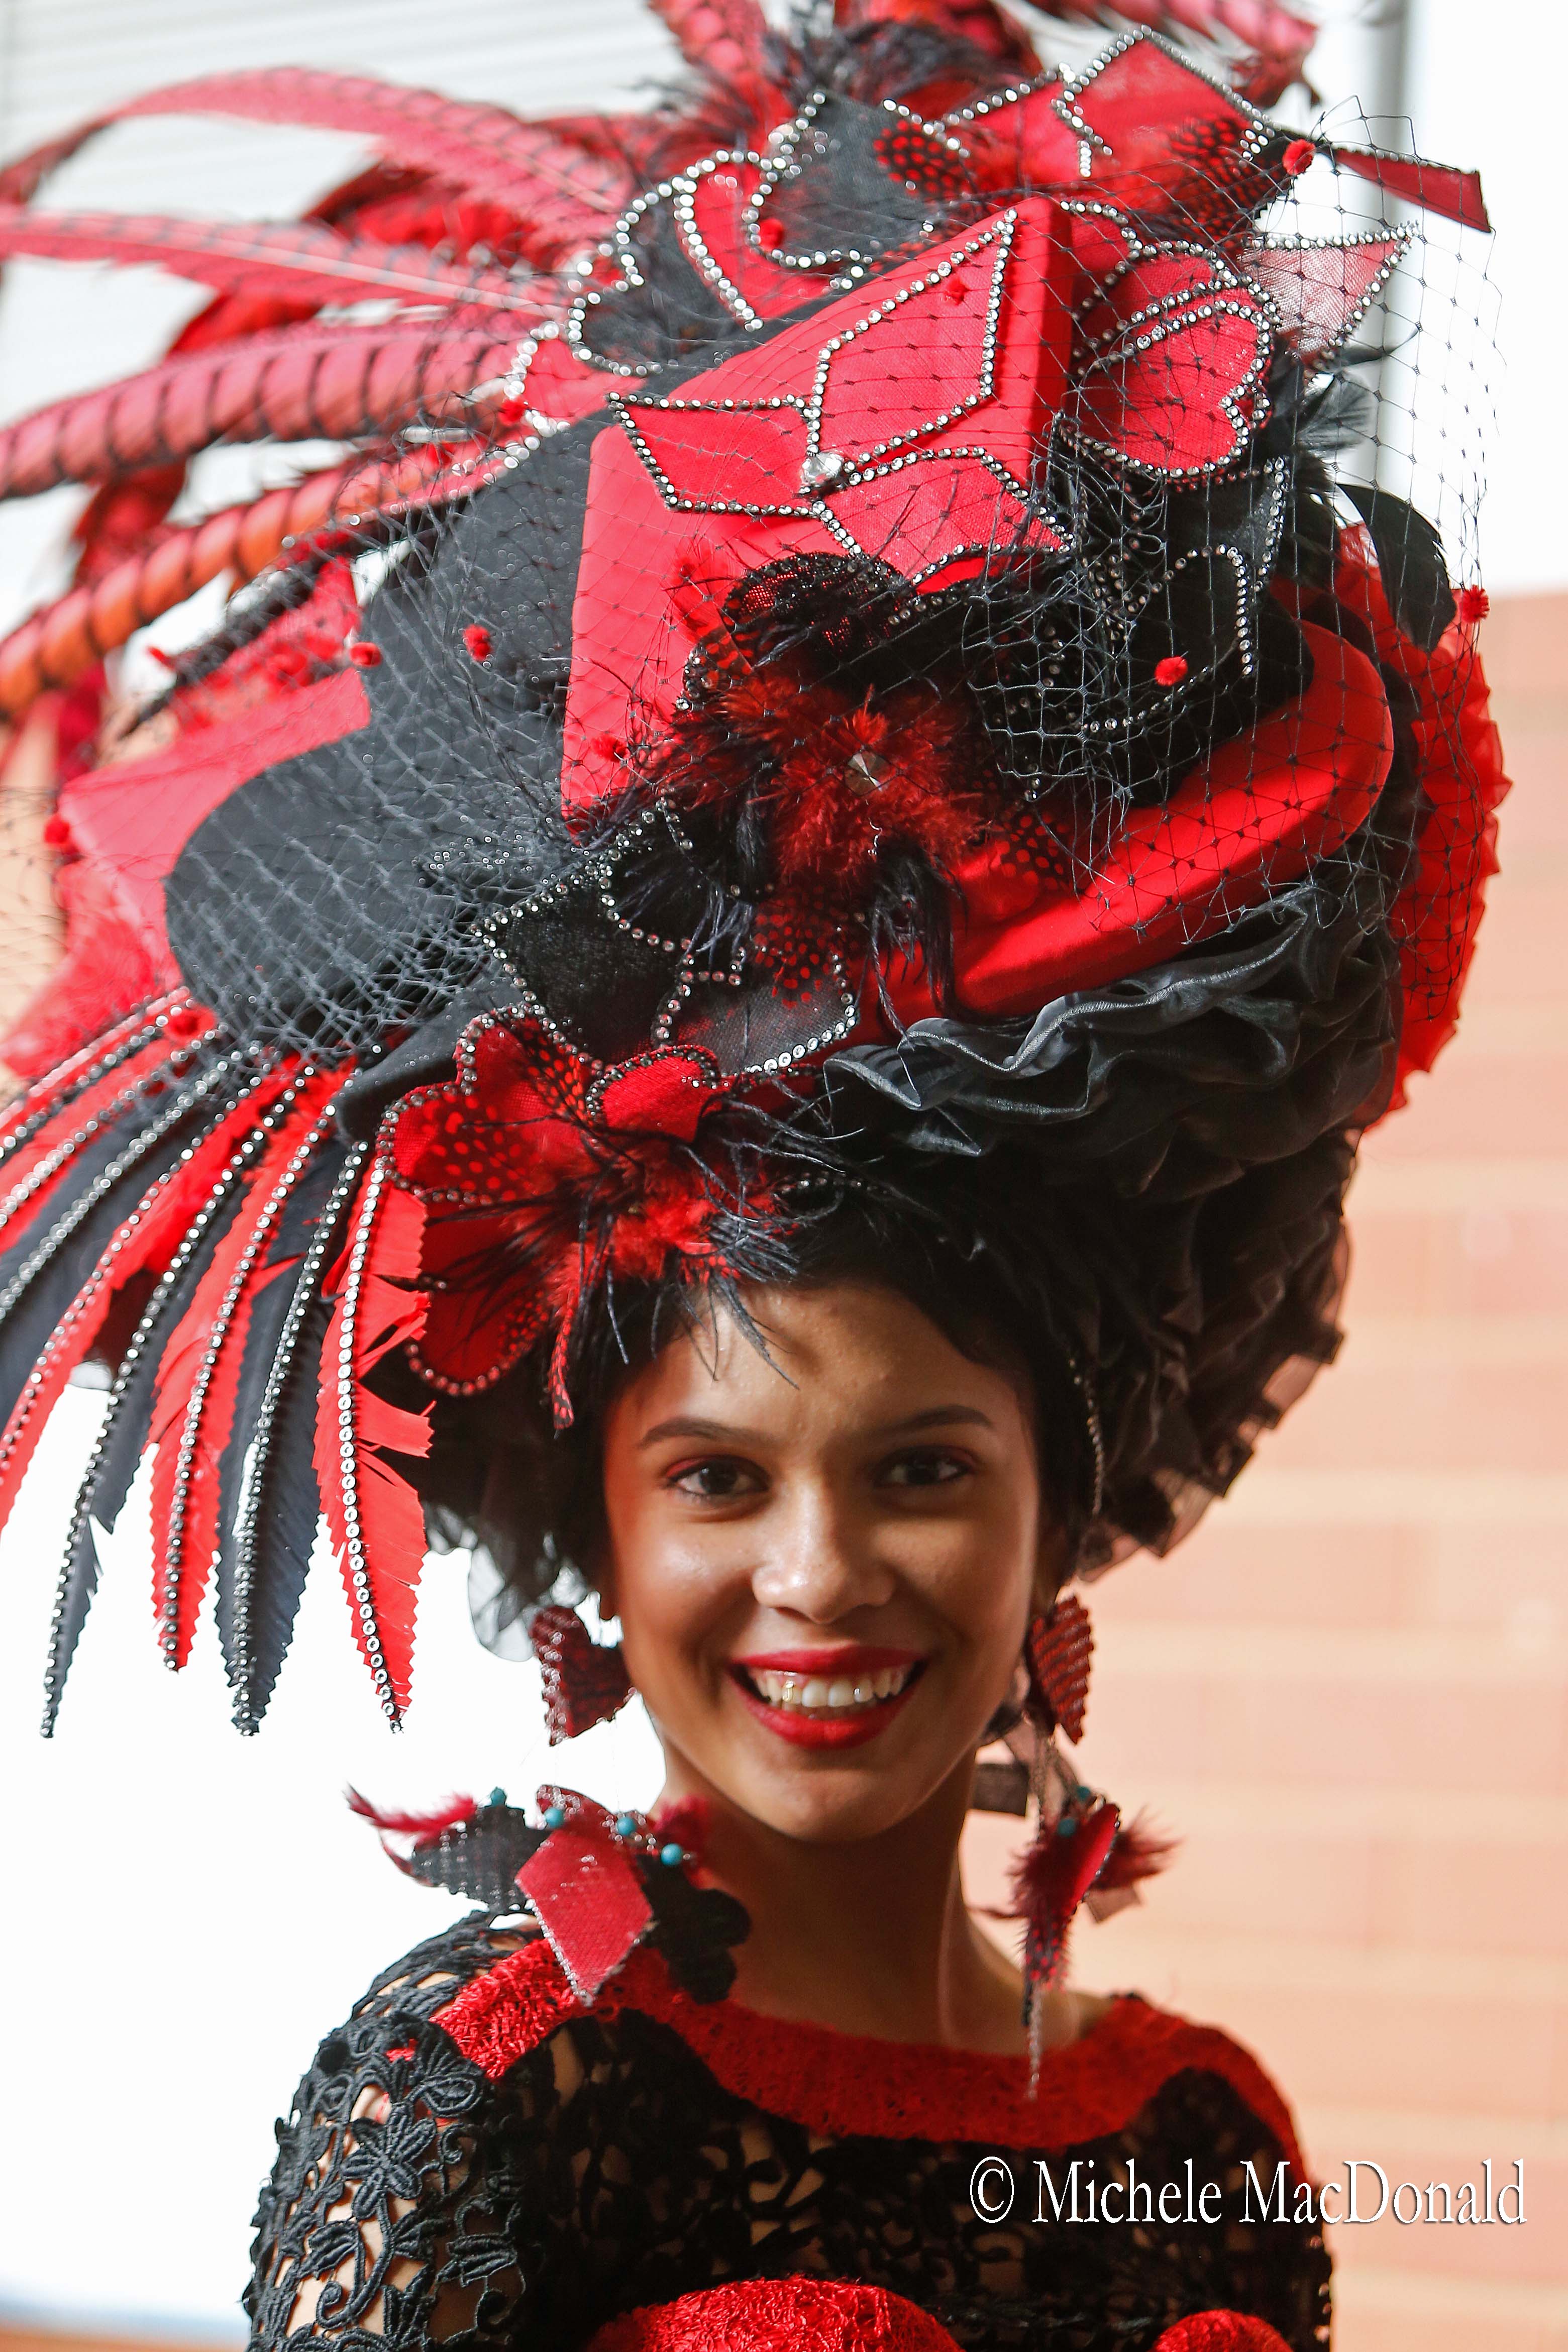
747 980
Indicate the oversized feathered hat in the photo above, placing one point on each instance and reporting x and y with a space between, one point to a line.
859 665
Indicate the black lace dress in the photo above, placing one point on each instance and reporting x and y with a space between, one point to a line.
475 2160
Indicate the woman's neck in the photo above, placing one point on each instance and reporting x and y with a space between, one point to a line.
872 1938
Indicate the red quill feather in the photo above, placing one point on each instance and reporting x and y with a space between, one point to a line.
374 1514
729 40
296 384
56 645
563 193
293 260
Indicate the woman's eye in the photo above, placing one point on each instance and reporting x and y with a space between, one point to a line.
928 1468
715 1482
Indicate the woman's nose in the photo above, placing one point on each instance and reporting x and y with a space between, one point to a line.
820 1558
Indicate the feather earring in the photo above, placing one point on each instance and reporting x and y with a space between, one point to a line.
1081 1853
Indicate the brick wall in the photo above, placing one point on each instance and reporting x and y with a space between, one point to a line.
1347 1691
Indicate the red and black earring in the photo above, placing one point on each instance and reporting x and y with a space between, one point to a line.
585 1682
1081 1853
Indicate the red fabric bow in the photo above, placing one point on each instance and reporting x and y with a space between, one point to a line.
545 1172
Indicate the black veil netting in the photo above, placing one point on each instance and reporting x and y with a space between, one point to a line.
885 677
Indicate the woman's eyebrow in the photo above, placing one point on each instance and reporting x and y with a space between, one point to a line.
724 1432
936 1417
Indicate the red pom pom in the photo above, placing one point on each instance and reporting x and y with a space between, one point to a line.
1474 604
57 833
183 1022
478 640
1298 157
771 236
365 656
1221 2331
1171 671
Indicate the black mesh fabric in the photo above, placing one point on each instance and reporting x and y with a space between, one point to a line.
415 2201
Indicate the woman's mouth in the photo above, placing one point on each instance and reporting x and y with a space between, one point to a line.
834 1700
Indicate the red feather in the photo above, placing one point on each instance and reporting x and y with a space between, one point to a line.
415 1825
561 191
373 1513
57 643
729 40
145 1240
1138 1852
193 1407
254 257
331 382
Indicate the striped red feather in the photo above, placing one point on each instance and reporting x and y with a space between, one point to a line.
329 383
293 259
561 192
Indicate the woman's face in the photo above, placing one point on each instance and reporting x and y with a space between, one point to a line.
824 1565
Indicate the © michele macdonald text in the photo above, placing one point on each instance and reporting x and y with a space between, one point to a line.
1075 2192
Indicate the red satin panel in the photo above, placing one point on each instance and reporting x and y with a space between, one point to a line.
1235 832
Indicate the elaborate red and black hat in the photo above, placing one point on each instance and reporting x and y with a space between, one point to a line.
879 682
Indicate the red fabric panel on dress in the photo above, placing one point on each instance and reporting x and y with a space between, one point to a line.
589 1902
846 2083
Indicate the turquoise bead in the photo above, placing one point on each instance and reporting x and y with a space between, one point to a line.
625 1826
553 1816
497 1796
1066 1826
672 1854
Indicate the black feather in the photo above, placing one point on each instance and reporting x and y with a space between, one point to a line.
120 1444
268 1499
50 1263
1410 557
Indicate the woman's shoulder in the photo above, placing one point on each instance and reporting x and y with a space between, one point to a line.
1130 2058
1144 2053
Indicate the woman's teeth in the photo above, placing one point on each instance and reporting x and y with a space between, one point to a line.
818 1691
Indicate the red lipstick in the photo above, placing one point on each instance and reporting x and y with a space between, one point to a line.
845 1658
812 1729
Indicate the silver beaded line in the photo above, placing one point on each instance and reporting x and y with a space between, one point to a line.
152 1315
1094 1430
849 471
217 1332
246 1523
53 1161
57 1238
61 1086
347 1452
